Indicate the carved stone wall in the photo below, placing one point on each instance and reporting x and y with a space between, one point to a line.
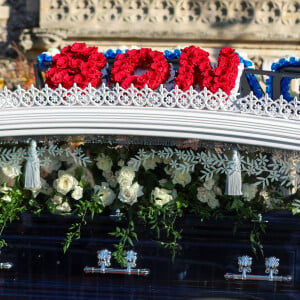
250 20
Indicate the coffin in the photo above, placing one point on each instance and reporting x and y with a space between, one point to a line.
192 122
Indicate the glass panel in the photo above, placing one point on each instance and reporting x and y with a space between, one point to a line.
174 201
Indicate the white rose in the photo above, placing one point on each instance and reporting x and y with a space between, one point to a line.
209 183
64 207
106 195
149 163
180 177
65 183
129 194
125 177
104 162
11 171
249 191
161 196
213 203
77 193
202 194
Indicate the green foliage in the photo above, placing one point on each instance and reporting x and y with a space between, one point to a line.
127 237
83 209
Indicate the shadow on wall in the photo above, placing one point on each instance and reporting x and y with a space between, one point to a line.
22 14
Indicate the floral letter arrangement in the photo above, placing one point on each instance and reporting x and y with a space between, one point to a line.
152 187
84 65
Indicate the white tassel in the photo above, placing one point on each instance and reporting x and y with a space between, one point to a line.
32 168
234 177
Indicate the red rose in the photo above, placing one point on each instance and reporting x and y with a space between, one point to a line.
78 47
125 65
62 62
76 64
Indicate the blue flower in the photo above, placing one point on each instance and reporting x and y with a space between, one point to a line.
172 54
44 60
286 81
109 53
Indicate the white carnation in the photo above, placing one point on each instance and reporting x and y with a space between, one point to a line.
129 194
180 177
77 193
105 195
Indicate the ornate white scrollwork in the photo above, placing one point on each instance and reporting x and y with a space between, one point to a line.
176 98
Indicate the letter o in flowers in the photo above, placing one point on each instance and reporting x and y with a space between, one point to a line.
155 68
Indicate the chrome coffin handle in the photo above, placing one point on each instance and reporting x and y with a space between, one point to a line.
104 257
6 265
272 264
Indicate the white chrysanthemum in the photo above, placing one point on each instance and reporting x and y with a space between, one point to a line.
209 183
161 196
182 178
106 195
104 162
249 191
65 183
129 194
11 171
77 193
125 177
